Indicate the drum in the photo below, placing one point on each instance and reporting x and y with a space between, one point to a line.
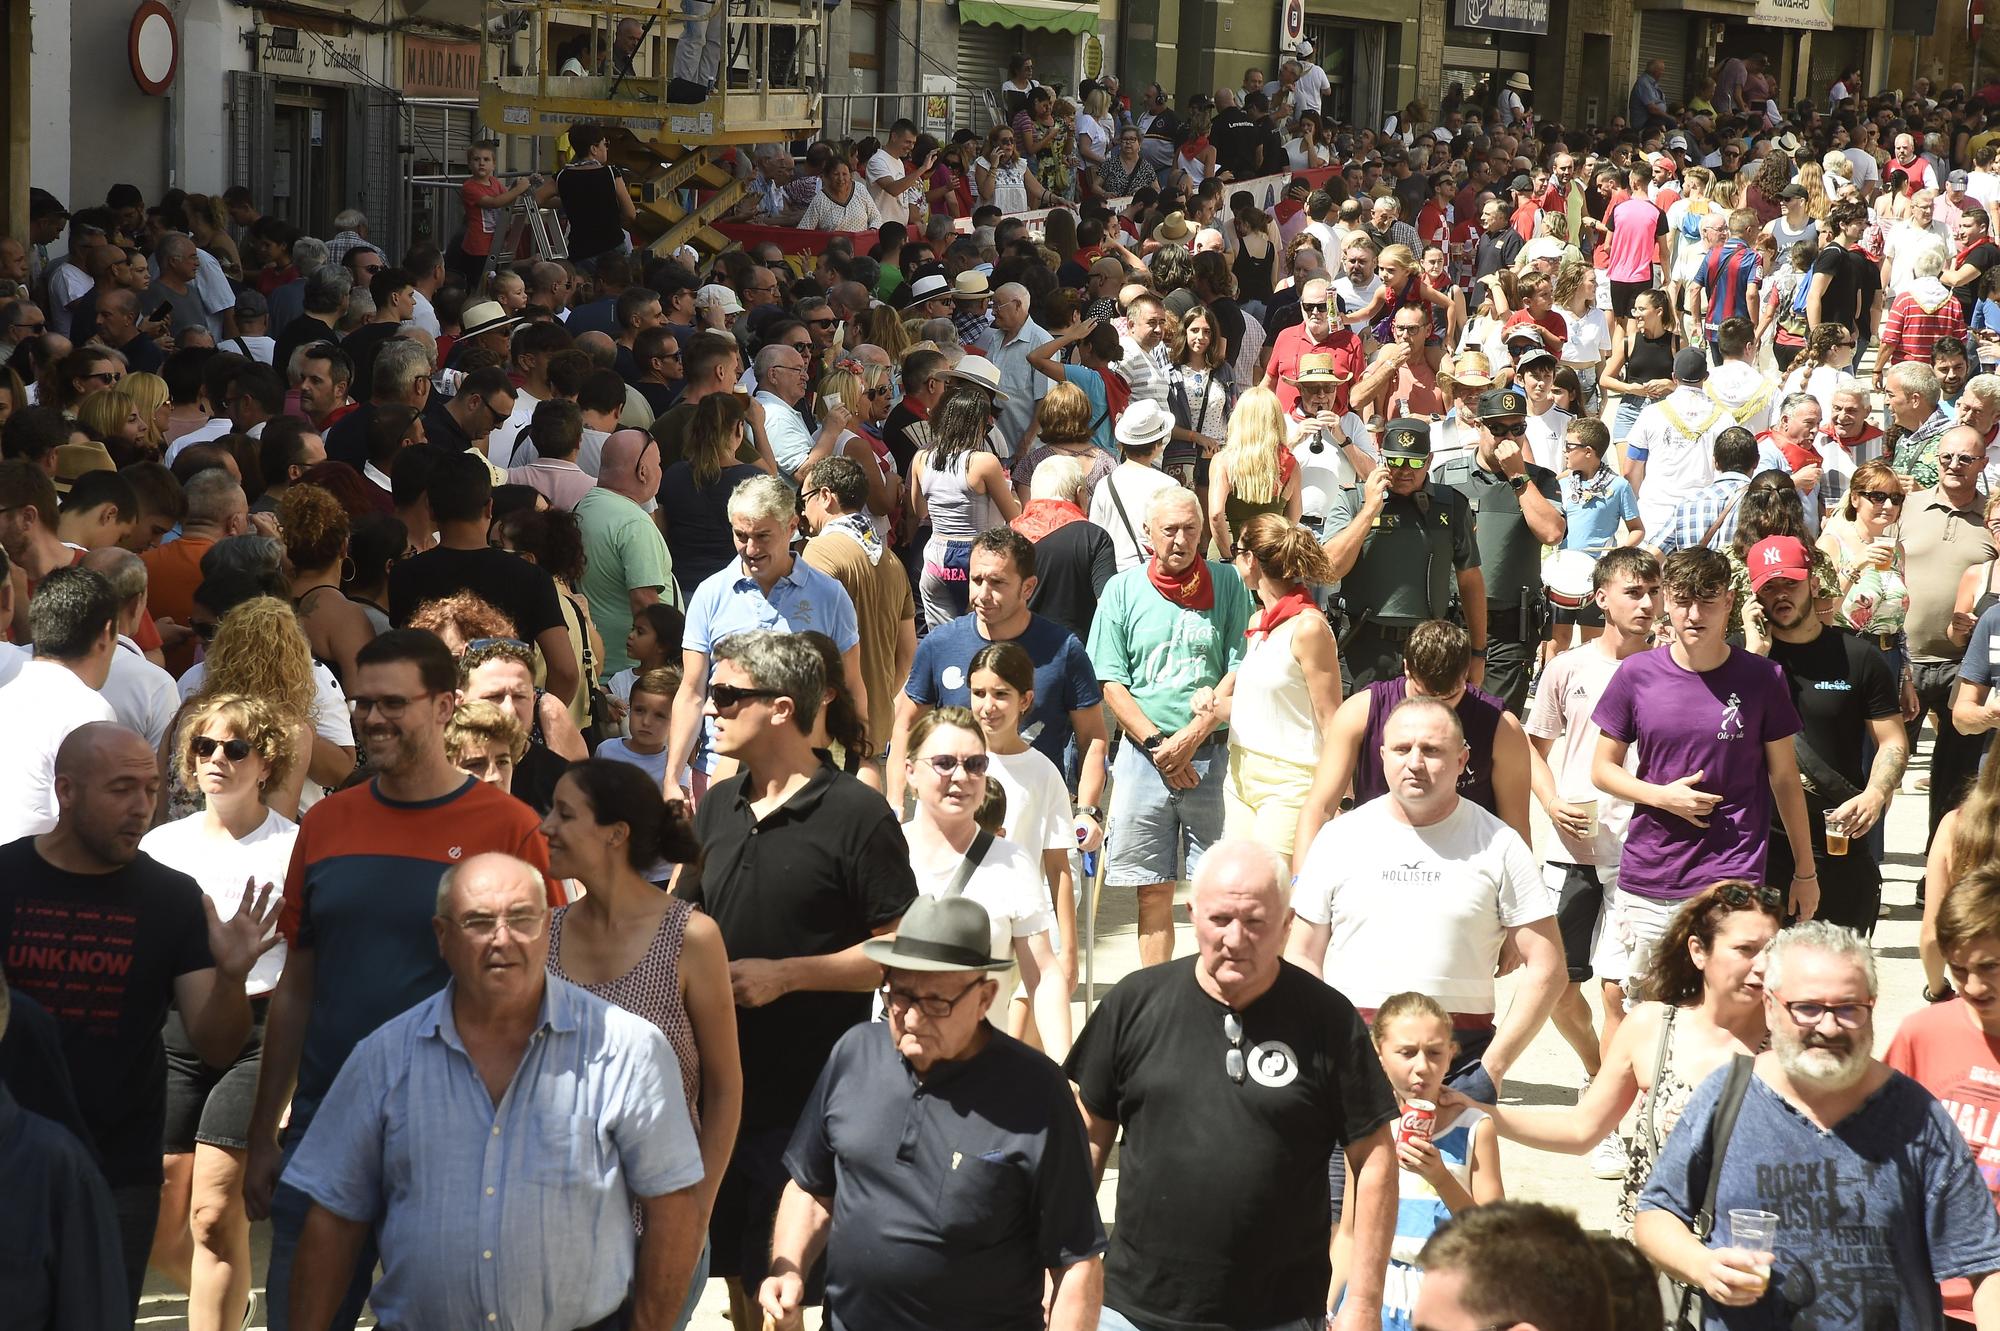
1567 575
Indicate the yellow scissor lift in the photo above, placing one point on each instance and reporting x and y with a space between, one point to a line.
768 85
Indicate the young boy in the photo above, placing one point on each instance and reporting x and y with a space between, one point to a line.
648 715
484 198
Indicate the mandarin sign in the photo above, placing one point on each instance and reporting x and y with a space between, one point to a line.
433 68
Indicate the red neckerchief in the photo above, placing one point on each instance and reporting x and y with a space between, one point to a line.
1193 590
1869 432
1795 455
1292 603
1043 516
1965 254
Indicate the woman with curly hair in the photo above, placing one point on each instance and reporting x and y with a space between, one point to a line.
232 749
1765 194
315 530
1255 472
460 619
1062 429
260 651
552 540
476 632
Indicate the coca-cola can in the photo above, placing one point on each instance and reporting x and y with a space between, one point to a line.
1418 1118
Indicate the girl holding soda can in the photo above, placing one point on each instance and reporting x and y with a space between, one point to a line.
1449 1158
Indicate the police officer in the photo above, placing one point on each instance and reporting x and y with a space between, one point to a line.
1516 510
1399 556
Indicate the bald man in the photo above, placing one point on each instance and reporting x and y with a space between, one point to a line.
627 566
474 1198
107 940
1236 1238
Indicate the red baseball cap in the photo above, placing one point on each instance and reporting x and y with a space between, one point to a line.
1778 557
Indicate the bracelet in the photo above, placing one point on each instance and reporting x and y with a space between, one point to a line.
1479 653
1948 994
1806 877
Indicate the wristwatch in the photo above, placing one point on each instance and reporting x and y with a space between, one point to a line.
1090 811
1520 483
1152 743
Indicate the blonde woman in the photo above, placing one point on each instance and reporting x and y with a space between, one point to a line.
111 417
1255 472
1093 130
232 749
1589 332
1813 180
861 393
149 393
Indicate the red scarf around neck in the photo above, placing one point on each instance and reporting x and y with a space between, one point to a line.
1193 590
1291 604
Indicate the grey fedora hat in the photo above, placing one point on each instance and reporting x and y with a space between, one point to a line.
938 934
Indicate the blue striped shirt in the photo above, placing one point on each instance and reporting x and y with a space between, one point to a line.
1699 511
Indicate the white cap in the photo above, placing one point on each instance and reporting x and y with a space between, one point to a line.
1303 48
720 296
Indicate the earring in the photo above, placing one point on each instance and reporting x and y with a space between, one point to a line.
348 573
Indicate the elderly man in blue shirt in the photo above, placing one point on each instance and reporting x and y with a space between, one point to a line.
495 1136
765 587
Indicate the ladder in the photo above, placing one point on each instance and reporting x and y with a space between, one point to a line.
527 221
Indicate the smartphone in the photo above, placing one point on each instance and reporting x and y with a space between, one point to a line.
832 400
164 312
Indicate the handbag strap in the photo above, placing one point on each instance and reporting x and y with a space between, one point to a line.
1652 1102
1111 483
1720 1127
1720 518
982 841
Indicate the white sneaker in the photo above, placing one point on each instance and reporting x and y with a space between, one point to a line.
1608 1160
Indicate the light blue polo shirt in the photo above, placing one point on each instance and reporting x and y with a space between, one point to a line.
729 602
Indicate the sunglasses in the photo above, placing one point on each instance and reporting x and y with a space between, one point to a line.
944 764
725 696
479 643
1736 898
1880 496
1514 431
235 750
1407 464
1320 308
1234 1062
1956 460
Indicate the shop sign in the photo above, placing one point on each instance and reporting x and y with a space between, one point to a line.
432 68
299 53
1815 15
1529 16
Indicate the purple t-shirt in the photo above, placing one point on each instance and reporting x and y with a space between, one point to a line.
1716 723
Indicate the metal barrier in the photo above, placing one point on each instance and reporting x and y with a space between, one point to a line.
885 108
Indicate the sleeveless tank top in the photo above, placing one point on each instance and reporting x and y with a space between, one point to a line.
1650 358
1988 595
1478 711
958 512
1273 715
1658 1112
1253 275
651 989
1238 511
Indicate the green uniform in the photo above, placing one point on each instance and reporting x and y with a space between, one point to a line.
1407 573
1510 556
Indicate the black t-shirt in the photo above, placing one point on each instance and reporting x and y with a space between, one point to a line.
300 332
439 427
1235 136
1983 256
536 775
1072 564
508 582
1838 302
361 346
814 876
658 397
101 953
1223 1210
1867 285
1839 683
1275 158
347 439
952 1197
896 434
1228 326
670 430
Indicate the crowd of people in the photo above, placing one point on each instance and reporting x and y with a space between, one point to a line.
458 698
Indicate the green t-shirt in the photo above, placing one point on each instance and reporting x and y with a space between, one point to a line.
625 552
1162 653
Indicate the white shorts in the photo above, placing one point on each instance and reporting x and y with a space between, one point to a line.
1632 924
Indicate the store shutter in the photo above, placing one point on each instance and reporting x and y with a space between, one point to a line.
983 53
1833 54
1664 36
250 113
437 138
375 162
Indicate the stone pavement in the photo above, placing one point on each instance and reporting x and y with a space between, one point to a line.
1548 1074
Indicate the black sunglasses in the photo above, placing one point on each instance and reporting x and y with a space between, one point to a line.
204 746
1514 431
725 696
1736 898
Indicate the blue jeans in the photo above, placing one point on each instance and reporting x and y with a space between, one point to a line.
695 1288
1110 1320
288 1219
1159 835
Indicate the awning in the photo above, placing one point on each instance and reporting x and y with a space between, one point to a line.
1028 14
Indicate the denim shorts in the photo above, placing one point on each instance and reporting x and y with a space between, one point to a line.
1158 835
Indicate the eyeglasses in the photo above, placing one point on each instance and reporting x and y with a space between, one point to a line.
1514 431
1736 898
235 750
725 696
33 328
391 705
1957 460
205 629
1848 1016
1880 497
1407 464
525 924
897 1001
1233 1061
944 764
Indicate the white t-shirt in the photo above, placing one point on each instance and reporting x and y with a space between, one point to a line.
1352 297
1677 463
1423 908
1901 247
1564 702
37 712
1039 816
1983 186
1589 340
142 694
222 864
1545 438
1009 884
12 658
1329 243
1134 487
882 171
1312 87
1866 172
330 718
